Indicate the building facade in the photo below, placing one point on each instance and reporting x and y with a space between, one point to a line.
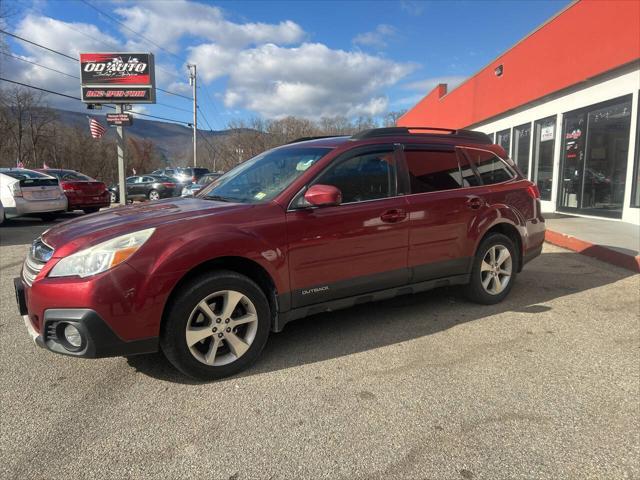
564 103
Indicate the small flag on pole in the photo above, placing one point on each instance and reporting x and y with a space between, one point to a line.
44 165
97 130
19 164
134 171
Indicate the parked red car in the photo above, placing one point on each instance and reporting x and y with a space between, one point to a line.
308 227
83 192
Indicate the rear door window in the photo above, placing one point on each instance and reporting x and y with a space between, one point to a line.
491 168
432 170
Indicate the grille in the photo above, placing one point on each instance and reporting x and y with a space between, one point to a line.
39 255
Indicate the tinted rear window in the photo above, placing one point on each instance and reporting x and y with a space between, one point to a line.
491 168
74 177
22 174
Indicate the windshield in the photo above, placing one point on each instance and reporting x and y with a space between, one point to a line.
264 176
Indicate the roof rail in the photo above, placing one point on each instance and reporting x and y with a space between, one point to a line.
469 135
304 139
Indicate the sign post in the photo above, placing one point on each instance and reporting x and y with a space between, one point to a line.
122 186
118 78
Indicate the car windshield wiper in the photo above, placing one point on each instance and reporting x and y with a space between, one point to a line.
219 198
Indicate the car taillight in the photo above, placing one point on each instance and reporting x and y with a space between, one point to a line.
533 191
16 191
169 185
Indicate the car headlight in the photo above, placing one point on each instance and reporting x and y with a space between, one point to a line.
101 257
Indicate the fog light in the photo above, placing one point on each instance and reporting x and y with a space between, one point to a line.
72 336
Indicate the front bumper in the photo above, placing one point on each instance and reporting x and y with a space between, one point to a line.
98 339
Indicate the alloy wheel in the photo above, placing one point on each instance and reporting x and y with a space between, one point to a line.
154 195
221 328
496 269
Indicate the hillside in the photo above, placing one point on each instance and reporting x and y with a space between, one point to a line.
170 138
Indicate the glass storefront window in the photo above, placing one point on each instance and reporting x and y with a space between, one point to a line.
521 144
594 158
544 141
503 139
635 192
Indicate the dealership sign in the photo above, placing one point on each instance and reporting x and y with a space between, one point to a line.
119 119
117 78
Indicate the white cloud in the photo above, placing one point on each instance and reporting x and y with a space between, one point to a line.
429 84
66 37
265 68
311 80
377 38
166 22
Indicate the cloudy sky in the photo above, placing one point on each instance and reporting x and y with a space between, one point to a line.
272 59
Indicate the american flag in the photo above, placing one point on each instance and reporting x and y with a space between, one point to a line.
44 165
97 130
19 164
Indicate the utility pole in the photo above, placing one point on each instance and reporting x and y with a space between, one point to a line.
194 86
122 186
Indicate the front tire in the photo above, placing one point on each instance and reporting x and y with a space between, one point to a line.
216 326
494 270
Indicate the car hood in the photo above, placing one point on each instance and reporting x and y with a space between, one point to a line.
89 230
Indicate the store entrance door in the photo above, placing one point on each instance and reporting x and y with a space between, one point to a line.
594 159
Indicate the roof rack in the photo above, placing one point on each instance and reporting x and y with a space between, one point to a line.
304 139
469 135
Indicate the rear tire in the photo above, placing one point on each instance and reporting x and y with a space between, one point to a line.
114 197
494 270
224 310
91 210
154 195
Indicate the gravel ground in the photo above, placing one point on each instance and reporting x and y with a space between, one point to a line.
544 385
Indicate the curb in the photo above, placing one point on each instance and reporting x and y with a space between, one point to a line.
600 252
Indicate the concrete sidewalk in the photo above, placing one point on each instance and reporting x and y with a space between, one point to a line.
614 242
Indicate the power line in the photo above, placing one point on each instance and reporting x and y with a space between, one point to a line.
39 65
131 30
173 93
77 60
206 92
76 98
38 45
205 118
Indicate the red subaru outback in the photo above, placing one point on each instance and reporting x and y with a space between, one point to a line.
311 226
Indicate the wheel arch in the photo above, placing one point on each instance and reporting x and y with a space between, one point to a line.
241 265
509 230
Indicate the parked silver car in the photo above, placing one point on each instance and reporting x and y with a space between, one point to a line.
27 192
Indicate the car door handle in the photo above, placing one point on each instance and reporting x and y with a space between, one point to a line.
393 216
474 203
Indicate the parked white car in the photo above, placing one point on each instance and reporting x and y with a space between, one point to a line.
27 192
1 212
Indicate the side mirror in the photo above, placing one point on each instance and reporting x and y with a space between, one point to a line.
323 195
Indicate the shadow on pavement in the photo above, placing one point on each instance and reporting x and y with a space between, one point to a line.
373 325
24 230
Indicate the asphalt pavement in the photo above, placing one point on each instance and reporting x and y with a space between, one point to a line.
545 385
